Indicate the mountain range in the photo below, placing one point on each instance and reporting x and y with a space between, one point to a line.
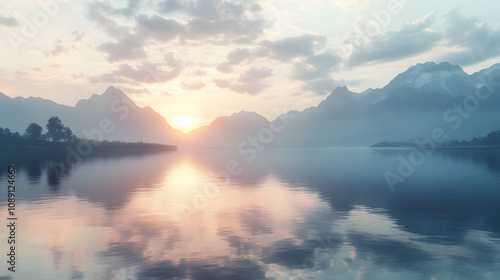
424 97
109 116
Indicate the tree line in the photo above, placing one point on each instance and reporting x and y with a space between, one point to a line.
56 132
492 139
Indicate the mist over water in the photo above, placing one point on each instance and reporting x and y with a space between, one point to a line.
249 140
289 214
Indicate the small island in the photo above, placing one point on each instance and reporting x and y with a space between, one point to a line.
492 140
387 144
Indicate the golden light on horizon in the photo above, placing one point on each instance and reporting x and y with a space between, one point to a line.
184 122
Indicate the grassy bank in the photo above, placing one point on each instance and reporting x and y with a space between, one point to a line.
61 148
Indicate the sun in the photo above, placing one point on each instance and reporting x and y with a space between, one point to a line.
184 121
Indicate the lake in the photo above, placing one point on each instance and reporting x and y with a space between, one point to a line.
287 214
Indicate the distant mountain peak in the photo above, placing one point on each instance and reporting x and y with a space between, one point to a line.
338 93
429 67
108 97
495 66
488 71
239 117
3 95
112 91
367 91
443 77
246 113
342 89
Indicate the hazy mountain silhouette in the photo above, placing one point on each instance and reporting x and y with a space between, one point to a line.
227 131
113 108
412 105
424 97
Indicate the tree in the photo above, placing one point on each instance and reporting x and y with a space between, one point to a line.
33 132
493 138
68 135
16 137
55 129
475 141
3 135
6 135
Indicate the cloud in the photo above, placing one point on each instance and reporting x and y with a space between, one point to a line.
78 36
391 252
412 39
105 16
20 73
315 66
74 76
252 82
193 85
478 40
242 269
200 72
322 86
283 50
171 6
224 67
287 252
203 9
104 9
211 10
291 47
236 57
129 43
159 28
355 82
256 74
132 7
222 21
145 73
128 252
58 49
128 48
227 30
104 78
315 71
352 4
8 21
207 22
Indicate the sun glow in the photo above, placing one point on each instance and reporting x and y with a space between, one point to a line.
184 122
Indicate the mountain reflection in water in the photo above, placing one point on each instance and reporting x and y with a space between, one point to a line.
289 214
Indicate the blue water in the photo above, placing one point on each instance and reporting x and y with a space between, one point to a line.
288 214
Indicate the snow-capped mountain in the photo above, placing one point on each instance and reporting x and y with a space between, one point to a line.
441 82
412 105
435 77
488 75
424 97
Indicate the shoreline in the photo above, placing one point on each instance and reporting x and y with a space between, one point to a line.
61 148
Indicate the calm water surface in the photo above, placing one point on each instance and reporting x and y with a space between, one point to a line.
289 214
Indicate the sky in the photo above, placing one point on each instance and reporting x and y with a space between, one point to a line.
194 60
